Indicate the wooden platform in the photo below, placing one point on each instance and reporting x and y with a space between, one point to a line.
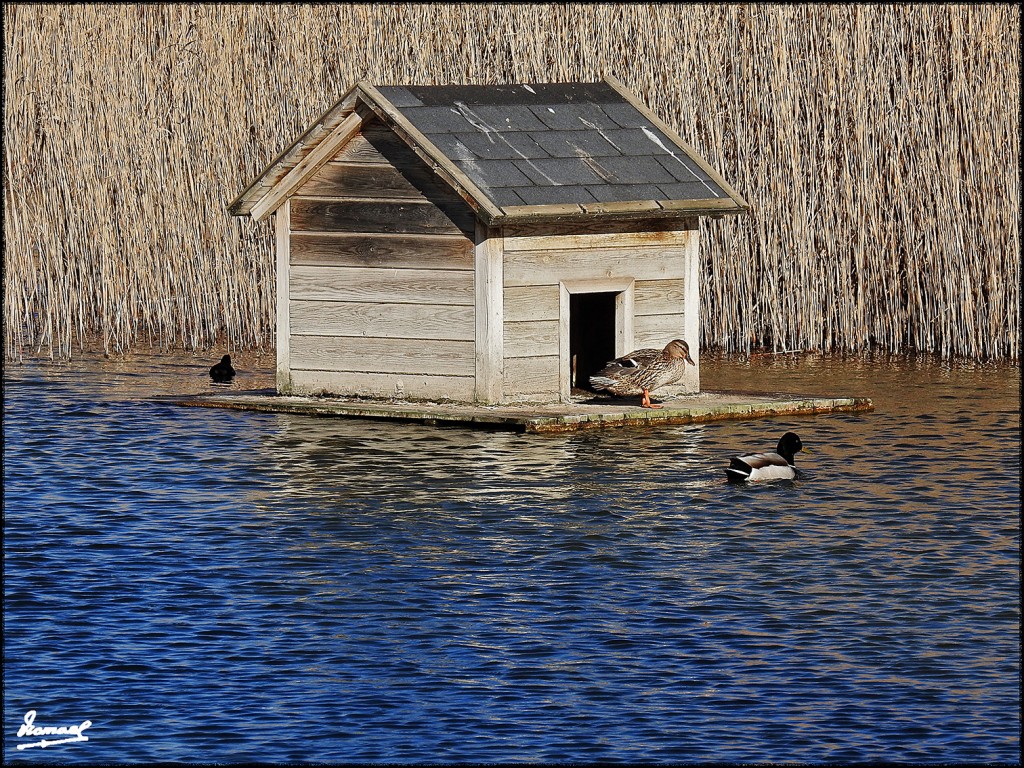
563 417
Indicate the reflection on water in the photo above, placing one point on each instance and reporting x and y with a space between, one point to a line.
217 585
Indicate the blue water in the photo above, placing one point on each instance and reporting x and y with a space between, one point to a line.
219 586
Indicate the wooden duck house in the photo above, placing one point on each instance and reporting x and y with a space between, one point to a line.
482 244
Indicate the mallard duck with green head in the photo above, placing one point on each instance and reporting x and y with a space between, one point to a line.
643 371
780 465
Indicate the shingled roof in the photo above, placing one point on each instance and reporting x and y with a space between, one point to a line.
550 150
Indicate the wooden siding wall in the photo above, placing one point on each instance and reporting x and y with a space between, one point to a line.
661 262
381 277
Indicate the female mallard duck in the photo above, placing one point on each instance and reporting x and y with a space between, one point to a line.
222 372
767 466
644 370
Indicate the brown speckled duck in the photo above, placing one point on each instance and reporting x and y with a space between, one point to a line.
644 370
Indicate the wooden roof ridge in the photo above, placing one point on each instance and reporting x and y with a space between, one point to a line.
438 161
289 158
330 132
363 101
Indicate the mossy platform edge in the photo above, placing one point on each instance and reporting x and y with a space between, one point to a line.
529 417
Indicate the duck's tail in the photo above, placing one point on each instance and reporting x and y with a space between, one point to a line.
738 471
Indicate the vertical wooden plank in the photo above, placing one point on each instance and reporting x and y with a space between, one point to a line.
691 307
282 224
488 288
624 313
564 360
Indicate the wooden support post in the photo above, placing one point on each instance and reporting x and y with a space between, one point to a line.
691 305
282 223
488 289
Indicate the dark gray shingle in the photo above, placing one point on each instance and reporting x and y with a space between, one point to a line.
555 195
436 119
542 144
514 94
634 170
402 97
496 173
505 196
573 117
546 172
625 115
617 193
696 190
574 144
505 146
683 168
632 141
500 118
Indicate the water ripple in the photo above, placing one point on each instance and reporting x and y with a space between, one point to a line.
228 586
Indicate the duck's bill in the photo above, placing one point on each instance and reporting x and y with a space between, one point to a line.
690 360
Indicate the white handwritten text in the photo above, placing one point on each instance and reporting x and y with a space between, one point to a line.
29 728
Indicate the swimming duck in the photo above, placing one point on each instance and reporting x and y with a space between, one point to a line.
641 371
222 372
767 466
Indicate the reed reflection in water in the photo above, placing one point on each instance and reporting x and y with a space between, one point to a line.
209 585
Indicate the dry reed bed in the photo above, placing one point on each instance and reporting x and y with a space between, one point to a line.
878 145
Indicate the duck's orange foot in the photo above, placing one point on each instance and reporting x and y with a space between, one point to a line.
646 401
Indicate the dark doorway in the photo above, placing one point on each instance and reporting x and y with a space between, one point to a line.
591 336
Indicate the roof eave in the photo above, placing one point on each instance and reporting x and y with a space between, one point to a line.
636 209
258 188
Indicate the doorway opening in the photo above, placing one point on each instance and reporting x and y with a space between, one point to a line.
591 336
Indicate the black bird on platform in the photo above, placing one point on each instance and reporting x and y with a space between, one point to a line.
222 372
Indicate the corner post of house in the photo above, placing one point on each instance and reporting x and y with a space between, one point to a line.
691 306
488 290
564 353
282 224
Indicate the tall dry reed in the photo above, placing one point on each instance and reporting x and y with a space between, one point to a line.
878 145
